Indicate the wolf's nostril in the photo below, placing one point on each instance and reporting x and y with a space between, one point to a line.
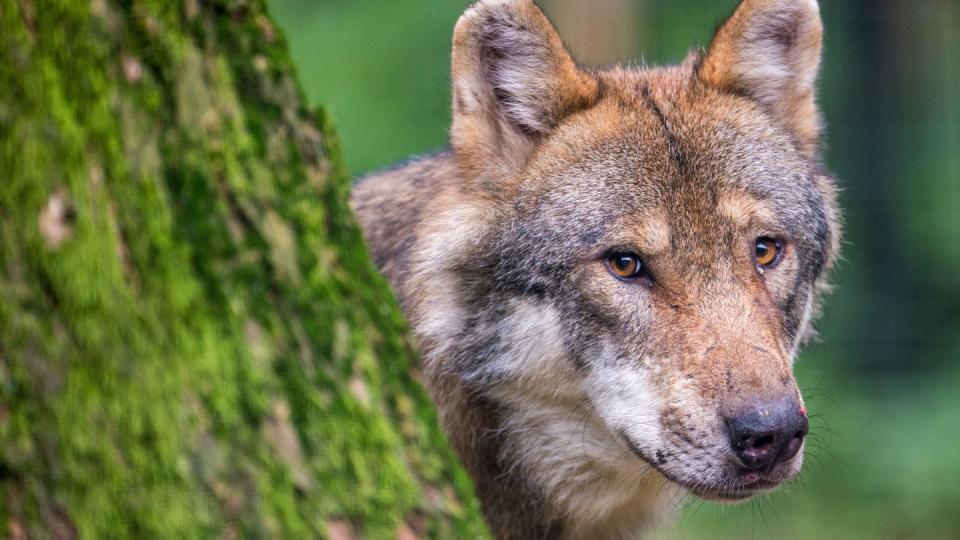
763 442
791 448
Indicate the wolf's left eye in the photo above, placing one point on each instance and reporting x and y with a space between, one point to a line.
626 266
768 252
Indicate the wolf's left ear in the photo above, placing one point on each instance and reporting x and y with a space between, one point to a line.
769 50
513 82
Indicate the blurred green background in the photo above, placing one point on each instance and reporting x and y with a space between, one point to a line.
884 382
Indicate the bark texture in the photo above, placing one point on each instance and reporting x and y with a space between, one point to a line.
193 342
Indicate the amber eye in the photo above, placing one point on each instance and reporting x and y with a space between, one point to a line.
768 252
626 266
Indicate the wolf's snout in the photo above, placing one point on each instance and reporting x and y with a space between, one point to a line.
769 433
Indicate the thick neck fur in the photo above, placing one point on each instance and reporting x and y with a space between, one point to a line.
534 484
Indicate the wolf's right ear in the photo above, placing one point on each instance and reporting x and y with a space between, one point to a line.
513 82
769 50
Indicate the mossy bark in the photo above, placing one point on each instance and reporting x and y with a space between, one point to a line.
193 342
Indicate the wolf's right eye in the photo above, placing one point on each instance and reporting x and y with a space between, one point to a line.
769 251
626 266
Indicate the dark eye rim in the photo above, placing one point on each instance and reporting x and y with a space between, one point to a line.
642 276
781 247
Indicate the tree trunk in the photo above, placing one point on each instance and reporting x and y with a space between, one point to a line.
192 340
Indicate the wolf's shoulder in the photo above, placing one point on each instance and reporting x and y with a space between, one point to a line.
391 204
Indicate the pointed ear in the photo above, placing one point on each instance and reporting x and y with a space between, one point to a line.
769 50
513 82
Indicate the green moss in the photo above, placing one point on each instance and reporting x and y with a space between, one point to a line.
193 342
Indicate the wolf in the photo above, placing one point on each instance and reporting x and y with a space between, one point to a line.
610 271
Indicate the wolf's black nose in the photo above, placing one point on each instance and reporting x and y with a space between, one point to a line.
768 433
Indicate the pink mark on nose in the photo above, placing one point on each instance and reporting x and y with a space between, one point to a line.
803 411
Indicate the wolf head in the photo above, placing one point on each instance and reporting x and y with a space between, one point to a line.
635 254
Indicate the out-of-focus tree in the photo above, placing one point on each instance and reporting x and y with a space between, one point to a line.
193 343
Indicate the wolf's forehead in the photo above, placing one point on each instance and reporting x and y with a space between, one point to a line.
622 196
663 158
654 145
634 174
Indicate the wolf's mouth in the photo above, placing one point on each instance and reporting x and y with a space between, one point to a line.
732 491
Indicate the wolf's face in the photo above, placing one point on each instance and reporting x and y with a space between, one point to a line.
676 239
645 248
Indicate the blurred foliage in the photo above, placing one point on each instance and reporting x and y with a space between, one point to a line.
884 381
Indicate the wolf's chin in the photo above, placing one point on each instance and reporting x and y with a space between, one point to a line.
735 494
731 491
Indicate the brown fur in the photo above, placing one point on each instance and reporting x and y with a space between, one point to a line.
572 396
